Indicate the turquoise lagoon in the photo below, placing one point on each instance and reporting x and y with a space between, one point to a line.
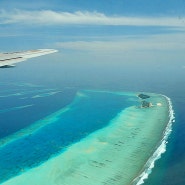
100 138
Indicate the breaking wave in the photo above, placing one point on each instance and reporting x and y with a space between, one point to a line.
160 150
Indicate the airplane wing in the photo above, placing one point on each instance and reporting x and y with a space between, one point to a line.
9 59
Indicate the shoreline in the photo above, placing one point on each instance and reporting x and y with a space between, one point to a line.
150 164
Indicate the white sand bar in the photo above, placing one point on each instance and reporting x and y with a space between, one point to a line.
114 155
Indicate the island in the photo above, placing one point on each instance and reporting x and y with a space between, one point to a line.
143 96
145 104
119 153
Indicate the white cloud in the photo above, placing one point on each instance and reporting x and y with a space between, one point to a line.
167 48
49 17
168 42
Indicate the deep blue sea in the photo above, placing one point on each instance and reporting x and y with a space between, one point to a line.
32 92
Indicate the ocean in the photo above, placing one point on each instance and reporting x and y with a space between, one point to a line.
27 98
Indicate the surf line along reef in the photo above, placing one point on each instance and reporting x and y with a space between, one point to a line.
118 153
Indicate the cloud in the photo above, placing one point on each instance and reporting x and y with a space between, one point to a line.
164 48
168 42
49 17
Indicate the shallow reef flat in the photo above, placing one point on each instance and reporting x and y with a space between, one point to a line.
114 155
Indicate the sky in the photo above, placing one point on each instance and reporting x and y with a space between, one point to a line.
102 29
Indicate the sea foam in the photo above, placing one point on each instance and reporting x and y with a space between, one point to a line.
150 164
